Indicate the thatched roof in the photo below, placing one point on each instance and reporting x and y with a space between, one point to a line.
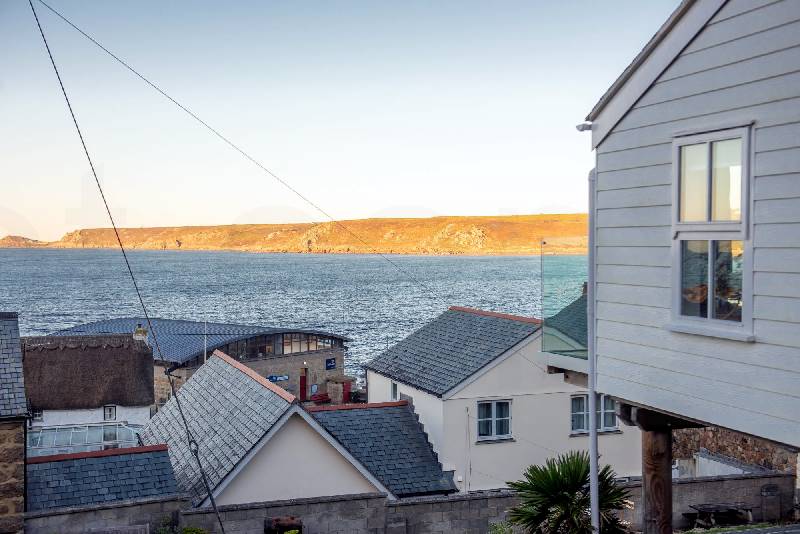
69 373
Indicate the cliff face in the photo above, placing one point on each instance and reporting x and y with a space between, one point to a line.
517 234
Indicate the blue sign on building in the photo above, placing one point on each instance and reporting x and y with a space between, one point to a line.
330 363
277 378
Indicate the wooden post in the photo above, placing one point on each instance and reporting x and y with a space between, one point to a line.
657 480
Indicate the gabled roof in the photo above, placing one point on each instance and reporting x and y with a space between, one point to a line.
180 340
228 408
87 478
389 441
12 400
81 372
571 321
452 347
682 26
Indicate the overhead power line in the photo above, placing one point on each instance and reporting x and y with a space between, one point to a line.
193 447
245 154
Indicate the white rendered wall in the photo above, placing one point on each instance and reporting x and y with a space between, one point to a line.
429 408
296 463
540 425
131 415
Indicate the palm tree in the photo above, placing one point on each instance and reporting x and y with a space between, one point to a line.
555 497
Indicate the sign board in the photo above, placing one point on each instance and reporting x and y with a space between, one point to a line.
330 363
277 378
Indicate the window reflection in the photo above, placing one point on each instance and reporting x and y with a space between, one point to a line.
728 280
694 183
694 278
726 180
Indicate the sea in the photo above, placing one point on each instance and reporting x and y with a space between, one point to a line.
374 300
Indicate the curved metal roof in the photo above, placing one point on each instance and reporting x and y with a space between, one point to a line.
181 340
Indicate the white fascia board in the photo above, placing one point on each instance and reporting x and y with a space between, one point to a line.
492 364
661 57
296 410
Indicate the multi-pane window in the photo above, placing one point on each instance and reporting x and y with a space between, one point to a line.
709 229
711 279
711 181
109 413
494 419
606 413
46 441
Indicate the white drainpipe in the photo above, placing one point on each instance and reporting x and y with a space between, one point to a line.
592 357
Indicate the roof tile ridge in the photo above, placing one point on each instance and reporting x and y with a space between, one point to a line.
356 406
285 395
486 313
96 454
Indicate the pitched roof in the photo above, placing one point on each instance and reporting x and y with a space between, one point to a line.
390 442
82 479
12 401
571 321
452 347
80 372
181 341
228 408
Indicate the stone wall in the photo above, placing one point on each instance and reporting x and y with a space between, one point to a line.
151 512
12 475
473 513
161 388
727 488
743 447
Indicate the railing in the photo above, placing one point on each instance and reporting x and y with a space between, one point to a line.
563 297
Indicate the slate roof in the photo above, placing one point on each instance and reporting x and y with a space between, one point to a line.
89 478
12 385
571 321
229 408
451 348
391 443
180 340
81 372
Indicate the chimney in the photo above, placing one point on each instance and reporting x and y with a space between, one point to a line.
585 287
140 333
13 415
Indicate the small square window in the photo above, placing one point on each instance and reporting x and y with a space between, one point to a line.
109 413
38 415
494 419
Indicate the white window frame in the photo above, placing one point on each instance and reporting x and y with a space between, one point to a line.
494 436
713 231
600 410
37 415
114 411
394 391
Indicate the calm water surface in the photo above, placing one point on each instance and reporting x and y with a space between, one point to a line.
360 296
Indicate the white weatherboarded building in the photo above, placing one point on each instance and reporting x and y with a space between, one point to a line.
479 384
696 229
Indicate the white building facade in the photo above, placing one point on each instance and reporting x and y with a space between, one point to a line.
508 414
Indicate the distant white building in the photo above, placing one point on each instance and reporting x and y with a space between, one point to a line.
86 393
480 385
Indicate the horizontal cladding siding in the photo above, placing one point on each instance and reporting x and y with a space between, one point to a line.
744 66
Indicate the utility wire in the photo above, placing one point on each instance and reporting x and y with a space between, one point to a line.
246 155
193 447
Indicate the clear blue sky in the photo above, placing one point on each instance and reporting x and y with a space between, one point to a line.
371 109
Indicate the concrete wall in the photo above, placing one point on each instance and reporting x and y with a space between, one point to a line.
133 415
296 462
741 67
12 475
463 513
429 408
153 513
540 424
729 488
